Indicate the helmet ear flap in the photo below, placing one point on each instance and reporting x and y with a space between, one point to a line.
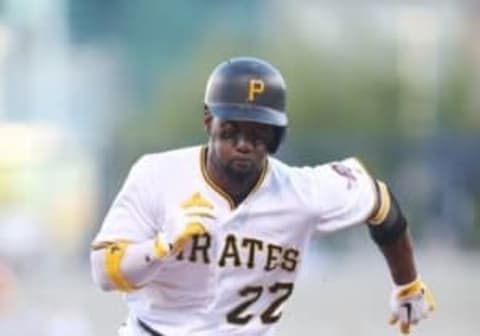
280 133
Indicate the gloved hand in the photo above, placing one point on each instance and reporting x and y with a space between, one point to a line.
410 303
192 221
163 249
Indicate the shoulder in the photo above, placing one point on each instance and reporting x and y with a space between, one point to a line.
341 165
351 170
158 167
168 159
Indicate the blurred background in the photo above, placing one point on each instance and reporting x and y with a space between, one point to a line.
88 86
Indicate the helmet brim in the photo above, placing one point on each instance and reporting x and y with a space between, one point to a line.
252 113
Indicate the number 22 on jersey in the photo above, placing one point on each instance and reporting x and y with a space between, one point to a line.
240 315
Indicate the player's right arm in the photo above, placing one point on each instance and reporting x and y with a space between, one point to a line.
130 247
124 266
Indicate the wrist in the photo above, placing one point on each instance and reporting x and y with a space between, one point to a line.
409 289
406 282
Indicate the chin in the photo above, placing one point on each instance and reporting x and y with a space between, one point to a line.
240 174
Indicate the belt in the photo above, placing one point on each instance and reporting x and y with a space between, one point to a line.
148 329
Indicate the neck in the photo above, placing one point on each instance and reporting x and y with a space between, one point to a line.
237 188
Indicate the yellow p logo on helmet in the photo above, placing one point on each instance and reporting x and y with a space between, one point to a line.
255 86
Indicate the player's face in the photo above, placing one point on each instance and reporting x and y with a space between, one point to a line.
239 148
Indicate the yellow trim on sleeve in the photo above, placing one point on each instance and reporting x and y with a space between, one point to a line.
385 204
100 245
113 258
373 183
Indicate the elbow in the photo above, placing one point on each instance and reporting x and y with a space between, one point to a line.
387 225
97 271
102 283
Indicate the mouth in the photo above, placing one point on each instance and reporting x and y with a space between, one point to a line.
242 164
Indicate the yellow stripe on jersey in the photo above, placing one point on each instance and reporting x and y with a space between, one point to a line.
114 253
384 206
261 178
203 167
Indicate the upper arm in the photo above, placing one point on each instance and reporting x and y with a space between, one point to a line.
343 194
136 211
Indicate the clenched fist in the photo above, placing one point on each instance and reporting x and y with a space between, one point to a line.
194 217
410 303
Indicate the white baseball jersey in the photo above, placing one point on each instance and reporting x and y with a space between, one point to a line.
236 279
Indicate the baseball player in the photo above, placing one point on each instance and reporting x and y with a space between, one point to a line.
208 240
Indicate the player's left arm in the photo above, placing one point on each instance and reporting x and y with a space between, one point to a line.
411 300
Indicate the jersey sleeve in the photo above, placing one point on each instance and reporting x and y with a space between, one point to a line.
343 194
134 214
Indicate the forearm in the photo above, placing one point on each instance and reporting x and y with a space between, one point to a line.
388 228
124 267
400 259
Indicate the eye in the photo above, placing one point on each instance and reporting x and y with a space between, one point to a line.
228 132
263 136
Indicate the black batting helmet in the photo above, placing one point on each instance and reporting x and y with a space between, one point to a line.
248 89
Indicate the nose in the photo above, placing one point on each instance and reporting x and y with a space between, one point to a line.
244 144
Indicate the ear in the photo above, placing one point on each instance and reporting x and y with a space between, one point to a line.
207 120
